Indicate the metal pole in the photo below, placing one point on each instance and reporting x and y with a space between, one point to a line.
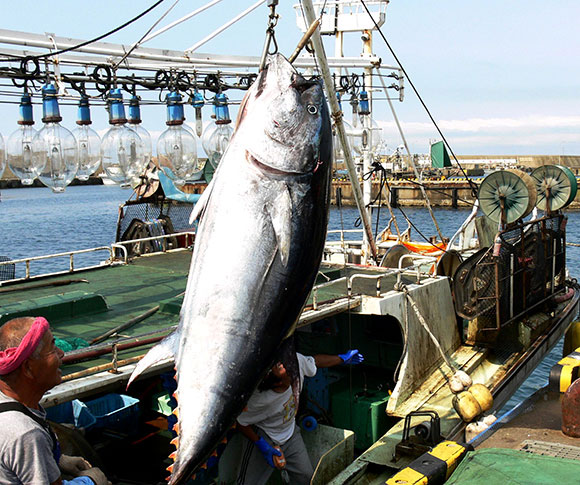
179 21
337 117
224 27
411 161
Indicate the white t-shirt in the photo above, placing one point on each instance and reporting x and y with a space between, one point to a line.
274 412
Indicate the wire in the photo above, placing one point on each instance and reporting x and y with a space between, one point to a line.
138 43
442 192
82 44
471 183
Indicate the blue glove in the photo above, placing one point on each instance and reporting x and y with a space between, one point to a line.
79 481
268 451
352 357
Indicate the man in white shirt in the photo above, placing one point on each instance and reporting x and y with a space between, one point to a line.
269 424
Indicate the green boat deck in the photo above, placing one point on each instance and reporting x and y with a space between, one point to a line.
86 304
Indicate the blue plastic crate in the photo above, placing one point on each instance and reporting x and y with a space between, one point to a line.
115 411
73 412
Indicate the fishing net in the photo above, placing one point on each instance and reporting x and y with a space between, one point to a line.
144 219
7 271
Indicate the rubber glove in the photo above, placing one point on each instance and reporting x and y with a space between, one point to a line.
73 465
352 357
79 481
96 475
267 451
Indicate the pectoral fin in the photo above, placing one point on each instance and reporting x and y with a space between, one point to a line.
280 212
166 349
201 204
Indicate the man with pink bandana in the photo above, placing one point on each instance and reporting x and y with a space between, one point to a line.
29 450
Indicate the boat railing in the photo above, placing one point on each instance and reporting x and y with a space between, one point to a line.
112 258
417 262
417 268
161 246
342 232
71 269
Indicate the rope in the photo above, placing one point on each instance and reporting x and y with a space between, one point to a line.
377 167
428 330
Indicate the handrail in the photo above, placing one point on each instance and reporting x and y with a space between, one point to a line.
324 285
110 261
414 258
71 269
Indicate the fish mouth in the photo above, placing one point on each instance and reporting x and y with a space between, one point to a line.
302 84
265 168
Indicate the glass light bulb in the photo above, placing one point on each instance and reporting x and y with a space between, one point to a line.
122 154
19 155
218 142
147 145
55 149
177 150
208 128
2 156
89 151
337 146
375 135
354 134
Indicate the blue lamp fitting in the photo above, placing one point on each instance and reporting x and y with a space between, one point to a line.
222 112
116 108
338 98
50 108
197 100
134 111
25 117
364 108
175 115
84 112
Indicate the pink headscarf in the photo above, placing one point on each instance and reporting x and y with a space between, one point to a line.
13 357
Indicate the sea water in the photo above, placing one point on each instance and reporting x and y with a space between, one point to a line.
36 222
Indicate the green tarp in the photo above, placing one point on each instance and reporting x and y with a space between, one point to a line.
507 467
439 156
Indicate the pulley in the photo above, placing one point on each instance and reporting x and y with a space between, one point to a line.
507 195
556 186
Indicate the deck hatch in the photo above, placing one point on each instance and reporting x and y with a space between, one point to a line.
59 307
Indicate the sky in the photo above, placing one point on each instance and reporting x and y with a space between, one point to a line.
500 77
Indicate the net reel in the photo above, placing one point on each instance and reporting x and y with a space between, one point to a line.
506 196
556 186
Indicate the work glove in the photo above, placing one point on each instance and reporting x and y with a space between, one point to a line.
73 465
267 451
96 475
351 357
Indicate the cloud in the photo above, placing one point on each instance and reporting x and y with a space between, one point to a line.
545 134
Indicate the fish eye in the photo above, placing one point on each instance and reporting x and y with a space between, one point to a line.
312 109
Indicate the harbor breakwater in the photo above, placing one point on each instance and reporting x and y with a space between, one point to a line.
405 193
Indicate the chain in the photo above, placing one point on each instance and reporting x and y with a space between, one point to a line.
270 33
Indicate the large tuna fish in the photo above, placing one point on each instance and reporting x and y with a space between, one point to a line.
257 251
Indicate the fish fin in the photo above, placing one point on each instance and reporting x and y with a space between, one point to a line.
166 349
201 204
280 212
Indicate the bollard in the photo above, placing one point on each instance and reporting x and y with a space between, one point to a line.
571 411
